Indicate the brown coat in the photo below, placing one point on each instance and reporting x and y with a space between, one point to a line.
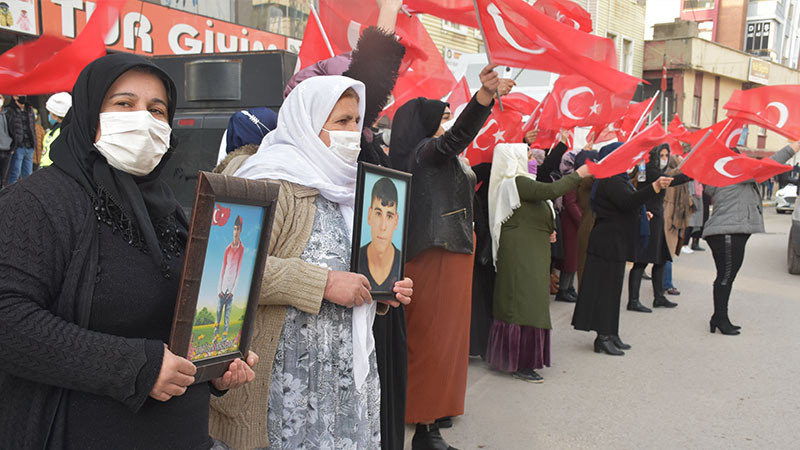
678 209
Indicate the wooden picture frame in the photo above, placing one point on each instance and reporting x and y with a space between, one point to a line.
375 232
220 258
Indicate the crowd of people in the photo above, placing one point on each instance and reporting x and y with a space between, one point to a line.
88 286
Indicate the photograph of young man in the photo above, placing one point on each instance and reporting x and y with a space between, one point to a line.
229 278
379 260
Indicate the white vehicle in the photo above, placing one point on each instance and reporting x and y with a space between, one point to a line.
785 198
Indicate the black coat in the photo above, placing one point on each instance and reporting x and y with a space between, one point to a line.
657 250
443 186
549 170
617 206
19 122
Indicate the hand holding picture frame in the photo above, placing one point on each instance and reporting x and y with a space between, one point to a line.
222 272
380 227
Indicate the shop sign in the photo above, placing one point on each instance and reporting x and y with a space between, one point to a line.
151 29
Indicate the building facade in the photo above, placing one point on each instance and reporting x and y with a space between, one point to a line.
702 75
622 21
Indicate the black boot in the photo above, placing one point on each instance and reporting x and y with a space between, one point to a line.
634 283
445 422
564 286
604 344
722 294
427 437
725 326
635 305
619 344
663 302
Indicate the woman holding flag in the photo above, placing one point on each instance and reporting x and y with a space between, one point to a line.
441 252
617 206
737 214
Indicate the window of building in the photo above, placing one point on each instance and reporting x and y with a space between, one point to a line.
454 27
627 56
757 38
697 4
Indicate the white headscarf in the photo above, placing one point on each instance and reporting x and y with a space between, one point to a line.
294 152
509 162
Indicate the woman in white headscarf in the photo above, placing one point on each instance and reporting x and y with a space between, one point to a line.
522 222
315 317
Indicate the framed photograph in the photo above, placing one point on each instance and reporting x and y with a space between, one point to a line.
380 227
222 271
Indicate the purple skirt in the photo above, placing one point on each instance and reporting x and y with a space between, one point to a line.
513 347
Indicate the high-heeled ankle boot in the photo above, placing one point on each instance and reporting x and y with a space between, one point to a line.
428 437
724 325
603 344
619 344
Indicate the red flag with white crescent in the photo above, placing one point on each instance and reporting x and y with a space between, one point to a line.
776 108
577 101
220 216
629 153
726 131
519 35
501 126
566 12
714 164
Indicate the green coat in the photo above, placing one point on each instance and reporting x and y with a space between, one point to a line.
522 288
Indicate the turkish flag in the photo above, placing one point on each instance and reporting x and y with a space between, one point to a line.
423 72
726 131
577 101
630 153
52 64
776 108
519 35
501 126
220 216
677 129
457 11
714 164
566 12
316 46
459 98
625 125
520 102
601 133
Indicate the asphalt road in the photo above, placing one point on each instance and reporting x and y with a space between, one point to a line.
678 387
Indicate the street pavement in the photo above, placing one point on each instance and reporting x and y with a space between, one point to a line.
679 387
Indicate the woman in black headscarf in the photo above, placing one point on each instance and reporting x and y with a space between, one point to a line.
653 249
617 205
90 270
440 250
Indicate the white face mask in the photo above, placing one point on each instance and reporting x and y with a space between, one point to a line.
345 144
663 163
133 142
449 124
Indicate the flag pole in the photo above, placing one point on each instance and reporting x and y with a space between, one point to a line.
321 29
641 119
488 53
696 146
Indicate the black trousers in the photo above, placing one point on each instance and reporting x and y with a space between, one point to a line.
635 280
391 351
5 163
728 252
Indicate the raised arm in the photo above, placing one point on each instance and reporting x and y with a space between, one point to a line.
531 190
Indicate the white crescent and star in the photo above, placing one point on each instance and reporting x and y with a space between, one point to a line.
783 110
216 211
572 93
480 133
500 24
719 166
639 157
